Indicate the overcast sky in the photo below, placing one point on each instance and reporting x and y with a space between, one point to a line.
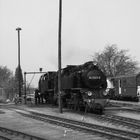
87 27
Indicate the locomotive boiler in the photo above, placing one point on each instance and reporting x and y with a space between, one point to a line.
82 86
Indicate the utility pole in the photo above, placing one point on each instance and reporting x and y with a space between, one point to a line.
59 57
19 67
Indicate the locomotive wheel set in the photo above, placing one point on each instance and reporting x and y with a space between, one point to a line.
83 87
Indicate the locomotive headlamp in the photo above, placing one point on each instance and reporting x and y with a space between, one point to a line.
105 93
89 93
107 90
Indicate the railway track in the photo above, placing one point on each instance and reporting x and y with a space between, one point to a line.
125 107
135 110
106 132
132 121
132 125
9 134
119 120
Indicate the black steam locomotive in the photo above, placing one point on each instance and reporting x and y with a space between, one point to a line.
83 87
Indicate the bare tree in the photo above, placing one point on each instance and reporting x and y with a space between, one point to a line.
115 62
7 81
5 76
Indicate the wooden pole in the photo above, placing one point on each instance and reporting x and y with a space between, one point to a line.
59 57
19 67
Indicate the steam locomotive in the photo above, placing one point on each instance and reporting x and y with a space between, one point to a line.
83 87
